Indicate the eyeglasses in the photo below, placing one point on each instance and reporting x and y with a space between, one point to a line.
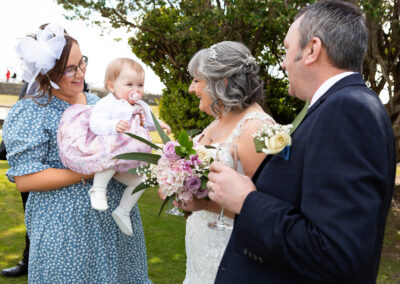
70 71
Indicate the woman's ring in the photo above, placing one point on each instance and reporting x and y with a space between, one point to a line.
211 185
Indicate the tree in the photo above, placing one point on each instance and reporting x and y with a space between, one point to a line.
382 63
168 32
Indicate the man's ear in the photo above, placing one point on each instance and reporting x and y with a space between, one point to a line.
313 51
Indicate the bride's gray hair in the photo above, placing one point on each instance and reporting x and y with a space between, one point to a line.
231 74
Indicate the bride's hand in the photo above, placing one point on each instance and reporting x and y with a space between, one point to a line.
193 205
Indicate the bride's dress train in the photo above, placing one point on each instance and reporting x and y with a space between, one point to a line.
204 246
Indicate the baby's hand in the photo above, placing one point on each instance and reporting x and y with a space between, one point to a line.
122 126
165 127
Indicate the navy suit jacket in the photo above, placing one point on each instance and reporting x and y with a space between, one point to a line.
320 216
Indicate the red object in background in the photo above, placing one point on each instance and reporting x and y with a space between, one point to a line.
8 74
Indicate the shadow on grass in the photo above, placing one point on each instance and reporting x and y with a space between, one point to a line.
389 269
12 245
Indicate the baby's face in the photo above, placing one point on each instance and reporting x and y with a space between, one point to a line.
129 82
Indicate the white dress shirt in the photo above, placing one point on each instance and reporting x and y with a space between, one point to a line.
327 85
109 110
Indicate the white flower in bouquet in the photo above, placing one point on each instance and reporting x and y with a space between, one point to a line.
204 155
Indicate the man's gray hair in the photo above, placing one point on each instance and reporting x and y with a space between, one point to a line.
341 28
231 74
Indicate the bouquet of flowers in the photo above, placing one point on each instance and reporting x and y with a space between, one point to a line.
275 139
179 169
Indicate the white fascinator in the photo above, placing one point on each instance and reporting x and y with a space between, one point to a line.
40 54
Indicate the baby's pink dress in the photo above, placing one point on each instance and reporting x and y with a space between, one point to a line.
85 152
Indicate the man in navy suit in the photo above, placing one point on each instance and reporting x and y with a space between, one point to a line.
318 217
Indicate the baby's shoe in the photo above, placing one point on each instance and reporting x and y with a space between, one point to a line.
98 198
123 220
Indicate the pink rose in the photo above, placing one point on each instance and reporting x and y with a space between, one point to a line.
192 184
169 151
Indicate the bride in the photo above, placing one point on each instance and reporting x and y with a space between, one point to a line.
226 82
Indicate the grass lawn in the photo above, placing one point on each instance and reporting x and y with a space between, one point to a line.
164 236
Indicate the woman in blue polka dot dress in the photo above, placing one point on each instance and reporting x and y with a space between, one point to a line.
70 242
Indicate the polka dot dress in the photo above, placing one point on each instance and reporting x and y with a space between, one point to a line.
70 241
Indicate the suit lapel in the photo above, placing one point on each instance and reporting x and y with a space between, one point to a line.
260 168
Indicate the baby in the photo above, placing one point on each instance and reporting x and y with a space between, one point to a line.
89 137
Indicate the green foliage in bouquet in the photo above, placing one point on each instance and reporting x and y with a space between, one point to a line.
186 145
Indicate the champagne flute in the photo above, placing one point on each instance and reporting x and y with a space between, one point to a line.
174 210
227 153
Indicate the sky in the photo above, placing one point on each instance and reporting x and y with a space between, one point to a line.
21 17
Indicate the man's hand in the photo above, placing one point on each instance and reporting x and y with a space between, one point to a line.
227 187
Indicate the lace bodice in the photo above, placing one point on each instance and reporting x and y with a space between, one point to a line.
238 130
204 246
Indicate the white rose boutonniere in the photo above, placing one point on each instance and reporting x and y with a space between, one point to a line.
276 143
275 139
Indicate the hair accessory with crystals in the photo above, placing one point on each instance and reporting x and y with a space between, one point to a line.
39 55
213 53
249 60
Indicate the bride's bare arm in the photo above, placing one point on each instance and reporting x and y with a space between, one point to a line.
248 156
49 179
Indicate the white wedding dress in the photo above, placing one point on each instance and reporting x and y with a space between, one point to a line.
204 246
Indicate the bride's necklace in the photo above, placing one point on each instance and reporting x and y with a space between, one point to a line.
214 136
210 140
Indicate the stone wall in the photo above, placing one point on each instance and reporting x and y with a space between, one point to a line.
10 88
14 88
